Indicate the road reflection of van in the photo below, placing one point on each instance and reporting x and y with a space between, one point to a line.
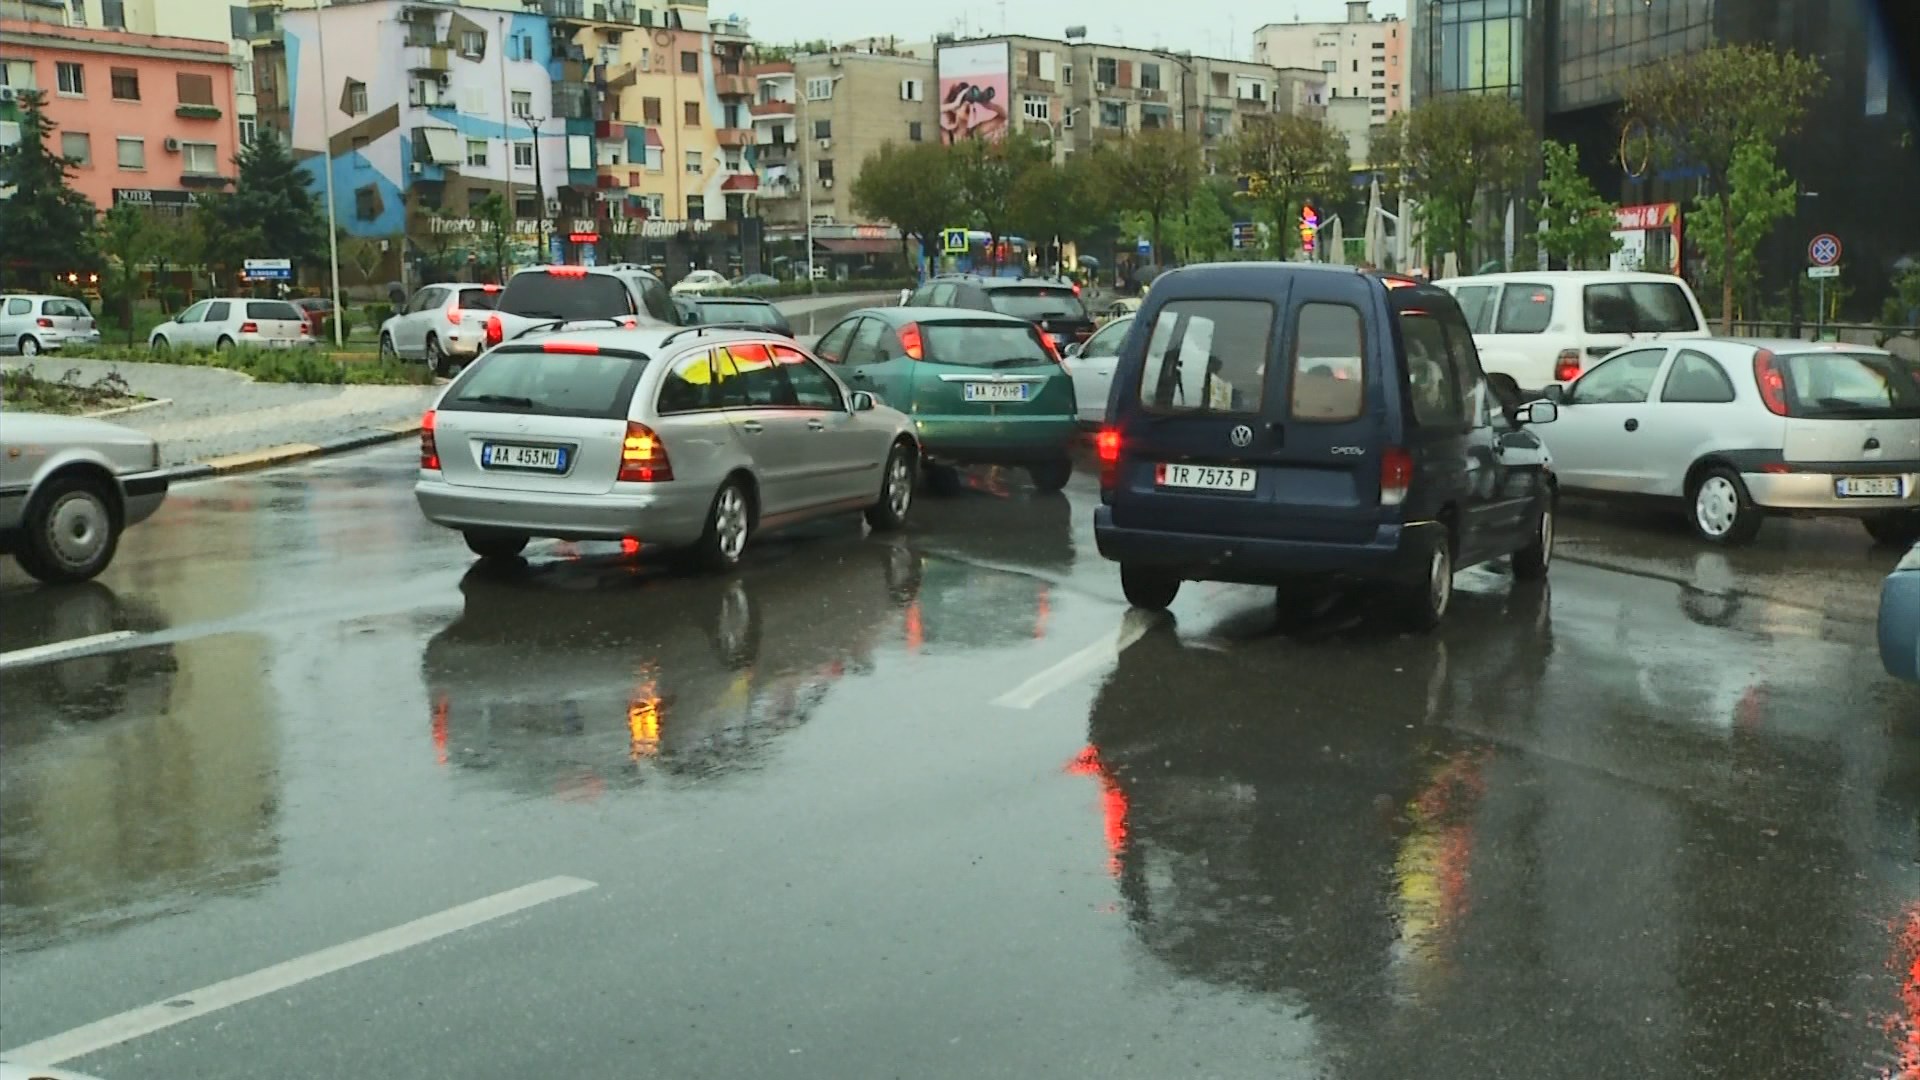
570 676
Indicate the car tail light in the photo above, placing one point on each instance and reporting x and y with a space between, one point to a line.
305 329
249 327
1106 445
1046 342
1773 384
490 288
1567 368
1076 289
495 331
44 324
1396 476
643 457
567 271
429 451
911 343
576 348
454 314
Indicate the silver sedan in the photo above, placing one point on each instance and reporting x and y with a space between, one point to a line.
692 439
68 487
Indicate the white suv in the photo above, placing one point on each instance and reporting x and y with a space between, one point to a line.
444 325
36 324
1546 328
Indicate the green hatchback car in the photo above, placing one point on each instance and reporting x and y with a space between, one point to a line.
981 388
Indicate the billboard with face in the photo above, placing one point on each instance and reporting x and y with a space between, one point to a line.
974 81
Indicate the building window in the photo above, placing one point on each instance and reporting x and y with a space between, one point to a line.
689 63
200 158
356 98
249 130
366 203
477 153
696 208
692 114
823 169
1066 74
1149 76
523 155
913 90
695 163
18 74
78 146
730 158
1036 107
360 144
1379 86
656 159
1328 66
526 204
476 196
473 44
131 152
522 103
650 110
126 84
243 78
194 89
1379 45
914 132
1155 116
1106 70
819 89
1113 114
72 80
823 129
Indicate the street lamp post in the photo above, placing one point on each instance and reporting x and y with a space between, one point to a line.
539 188
326 171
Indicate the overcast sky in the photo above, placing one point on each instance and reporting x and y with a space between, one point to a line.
1210 27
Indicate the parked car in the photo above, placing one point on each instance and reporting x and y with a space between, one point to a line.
1048 304
316 310
545 298
444 325
64 505
702 281
1740 428
227 321
1280 424
755 281
983 389
737 311
693 439
30 325
1550 326
1091 366
1900 619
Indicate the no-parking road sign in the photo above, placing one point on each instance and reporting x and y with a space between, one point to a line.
1824 250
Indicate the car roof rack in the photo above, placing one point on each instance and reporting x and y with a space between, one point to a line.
700 330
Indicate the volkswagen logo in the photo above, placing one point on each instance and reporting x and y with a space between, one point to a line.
1242 435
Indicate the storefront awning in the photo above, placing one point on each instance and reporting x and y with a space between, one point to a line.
443 145
653 137
740 182
858 247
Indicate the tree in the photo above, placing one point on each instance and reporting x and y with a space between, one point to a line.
1453 147
127 237
988 171
1155 172
494 218
1578 222
914 187
1702 108
46 227
1287 161
1757 194
1064 202
271 213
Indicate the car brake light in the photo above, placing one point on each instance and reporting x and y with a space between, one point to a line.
576 348
567 271
249 327
1773 384
1053 351
495 331
429 452
1396 476
643 457
1106 444
1076 289
911 343
45 324
490 288
304 329
1567 368
454 314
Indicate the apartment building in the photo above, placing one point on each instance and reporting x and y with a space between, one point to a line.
148 117
1363 57
818 117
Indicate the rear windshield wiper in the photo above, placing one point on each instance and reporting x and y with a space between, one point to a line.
501 399
555 322
1015 361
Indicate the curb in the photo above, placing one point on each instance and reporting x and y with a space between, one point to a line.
289 452
125 409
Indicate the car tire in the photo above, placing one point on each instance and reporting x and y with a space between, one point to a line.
28 345
224 344
729 528
896 490
1051 476
388 353
1898 529
437 360
1148 589
491 545
1531 563
160 344
1720 510
1421 604
72 530
943 480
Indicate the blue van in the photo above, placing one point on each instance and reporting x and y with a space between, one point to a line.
1275 423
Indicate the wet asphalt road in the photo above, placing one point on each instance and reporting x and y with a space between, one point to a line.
893 808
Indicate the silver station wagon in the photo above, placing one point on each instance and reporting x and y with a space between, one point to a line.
692 439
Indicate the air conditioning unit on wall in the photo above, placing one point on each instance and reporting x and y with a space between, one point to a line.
171 145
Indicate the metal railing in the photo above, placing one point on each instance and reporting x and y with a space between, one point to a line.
1878 334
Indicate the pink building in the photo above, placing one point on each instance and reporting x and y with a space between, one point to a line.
150 118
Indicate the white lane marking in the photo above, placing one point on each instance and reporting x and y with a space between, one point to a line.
43 652
1088 660
148 1019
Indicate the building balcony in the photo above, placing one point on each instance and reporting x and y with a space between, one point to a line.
609 129
779 188
610 180
559 9
771 109
1247 104
428 58
735 137
198 112
778 69
733 85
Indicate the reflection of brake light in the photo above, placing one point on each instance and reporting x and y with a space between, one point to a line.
429 452
1396 476
1773 384
576 348
1567 368
643 457
911 343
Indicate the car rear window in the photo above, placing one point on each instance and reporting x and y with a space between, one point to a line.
542 295
273 309
1037 303
1328 372
763 315
1476 303
66 309
1839 386
1525 308
1208 356
993 344
558 384
479 299
1638 307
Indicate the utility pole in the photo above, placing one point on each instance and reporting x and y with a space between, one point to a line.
506 118
326 171
806 194
539 191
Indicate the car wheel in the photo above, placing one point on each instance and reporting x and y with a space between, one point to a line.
1898 529
942 479
1530 563
223 344
1051 476
71 533
437 360
160 344
896 490
729 524
495 545
29 345
388 353
1152 590
1723 512
1423 602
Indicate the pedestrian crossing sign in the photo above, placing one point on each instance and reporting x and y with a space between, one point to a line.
953 241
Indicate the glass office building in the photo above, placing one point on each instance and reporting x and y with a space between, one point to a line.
1596 42
1480 46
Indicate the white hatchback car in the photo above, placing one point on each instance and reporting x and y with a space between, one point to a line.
37 324
227 321
444 325
1742 427
702 281
1091 365
1548 327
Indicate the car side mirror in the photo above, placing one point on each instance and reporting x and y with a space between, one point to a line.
1556 393
1074 350
1537 412
861 401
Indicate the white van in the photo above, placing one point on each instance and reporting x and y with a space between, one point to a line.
1549 326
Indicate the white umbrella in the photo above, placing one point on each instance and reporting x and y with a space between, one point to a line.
1376 225
1337 245
1507 263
